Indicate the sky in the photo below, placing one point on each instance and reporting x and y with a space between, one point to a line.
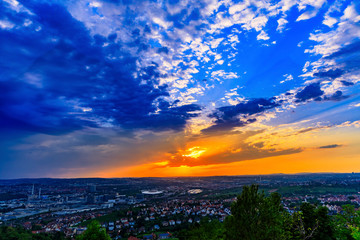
163 88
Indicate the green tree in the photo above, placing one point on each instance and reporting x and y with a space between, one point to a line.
94 232
312 222
19 233
348 223
206 230
256 216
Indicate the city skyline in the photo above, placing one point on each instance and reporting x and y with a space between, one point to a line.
178 88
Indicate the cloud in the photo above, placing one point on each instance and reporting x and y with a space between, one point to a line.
337 96
137 69
310 129
234 147
346 83
329 21
288 77
227 118
332 73
312 9
262 36
306 15
221 74
281 24
68 70
347 50
331 146
312 91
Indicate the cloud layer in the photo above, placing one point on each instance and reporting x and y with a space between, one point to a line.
103 83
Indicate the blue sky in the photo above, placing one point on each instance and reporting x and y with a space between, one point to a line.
88 86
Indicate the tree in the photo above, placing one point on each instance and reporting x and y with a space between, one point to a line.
206 230
348 223
94 232
19 233
312 223
255 216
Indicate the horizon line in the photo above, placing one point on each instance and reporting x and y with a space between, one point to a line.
242 175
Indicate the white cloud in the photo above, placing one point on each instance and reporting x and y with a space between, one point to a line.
262 36
223 75
258 23
161 22
238 7
281 24
329 21
355 105
307 64
306 15
95 4
4 24
234 38
215 43
315 4
350 13
288 77
344 33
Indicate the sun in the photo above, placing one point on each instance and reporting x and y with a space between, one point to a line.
194 152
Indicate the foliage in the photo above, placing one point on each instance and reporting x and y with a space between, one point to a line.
206 230
255 216
18 233
94 232
312 223
348 223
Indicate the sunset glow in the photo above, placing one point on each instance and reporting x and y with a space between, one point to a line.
194 152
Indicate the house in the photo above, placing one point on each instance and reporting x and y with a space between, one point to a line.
165 223
171 222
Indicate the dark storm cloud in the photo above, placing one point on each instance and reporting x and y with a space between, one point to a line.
337 96
332 73
331 146
347 84
312 91
227 117
26 108
54 69
347 50
349 55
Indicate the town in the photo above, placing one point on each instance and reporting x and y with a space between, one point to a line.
156 208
